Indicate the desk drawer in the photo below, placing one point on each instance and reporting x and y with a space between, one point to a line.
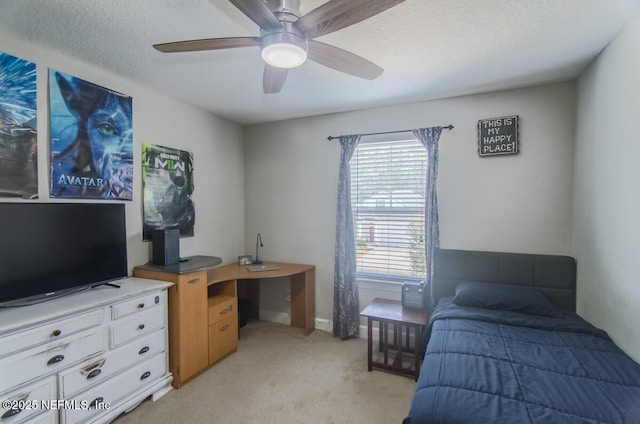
192 278
223 338
221 307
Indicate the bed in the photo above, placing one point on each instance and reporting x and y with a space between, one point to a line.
506 346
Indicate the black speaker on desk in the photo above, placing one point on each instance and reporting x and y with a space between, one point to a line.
166 246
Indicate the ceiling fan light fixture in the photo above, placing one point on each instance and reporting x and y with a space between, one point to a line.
284 50
284 55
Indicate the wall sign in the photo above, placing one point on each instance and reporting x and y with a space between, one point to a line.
498 136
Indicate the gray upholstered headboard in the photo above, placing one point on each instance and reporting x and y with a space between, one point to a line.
554 276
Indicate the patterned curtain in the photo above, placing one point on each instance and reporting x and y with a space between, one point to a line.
346 313
429 138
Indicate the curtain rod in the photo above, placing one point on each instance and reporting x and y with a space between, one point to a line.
449 127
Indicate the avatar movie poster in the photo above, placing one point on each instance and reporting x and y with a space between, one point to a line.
18 129
91 140
167 184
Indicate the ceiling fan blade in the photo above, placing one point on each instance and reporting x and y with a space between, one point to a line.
258 12
273 79
343 61
338 14
207 44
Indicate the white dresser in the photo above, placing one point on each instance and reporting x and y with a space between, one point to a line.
85 357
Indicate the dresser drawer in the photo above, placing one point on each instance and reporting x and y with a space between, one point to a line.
138 304
25 401
49 417
221 307
104 366
49 332
116 388
137 325
51 357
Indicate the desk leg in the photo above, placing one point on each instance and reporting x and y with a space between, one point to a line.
303 312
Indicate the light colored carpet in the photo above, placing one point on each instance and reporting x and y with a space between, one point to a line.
279 375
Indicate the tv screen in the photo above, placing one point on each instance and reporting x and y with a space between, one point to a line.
50 249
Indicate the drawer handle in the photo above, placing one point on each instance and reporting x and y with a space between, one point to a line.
157 299
145 375
55 359
92 367
96 401
141 327
140 305
94 373
10 413
193 281
226 310
143 350
56 333
224 327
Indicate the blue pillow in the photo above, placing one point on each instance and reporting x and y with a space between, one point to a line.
526 300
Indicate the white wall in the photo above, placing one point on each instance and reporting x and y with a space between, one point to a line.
519 203
216 144
606 219
285 178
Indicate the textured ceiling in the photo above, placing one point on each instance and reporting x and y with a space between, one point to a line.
428 48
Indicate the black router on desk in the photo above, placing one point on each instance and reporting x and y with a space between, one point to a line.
257 264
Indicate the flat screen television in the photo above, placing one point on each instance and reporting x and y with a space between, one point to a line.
51 249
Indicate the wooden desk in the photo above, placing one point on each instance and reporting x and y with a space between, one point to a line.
386 311
202 290
302 289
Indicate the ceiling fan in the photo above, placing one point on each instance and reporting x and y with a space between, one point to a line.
287 38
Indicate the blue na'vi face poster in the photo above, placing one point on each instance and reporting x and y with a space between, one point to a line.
91 140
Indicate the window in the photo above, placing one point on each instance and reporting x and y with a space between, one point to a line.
387 197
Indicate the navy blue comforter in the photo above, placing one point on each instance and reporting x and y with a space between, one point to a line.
489 366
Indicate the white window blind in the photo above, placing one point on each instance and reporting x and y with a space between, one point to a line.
387 195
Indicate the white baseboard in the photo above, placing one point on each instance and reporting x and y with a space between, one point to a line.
327 325
322 324
284 318
275 316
